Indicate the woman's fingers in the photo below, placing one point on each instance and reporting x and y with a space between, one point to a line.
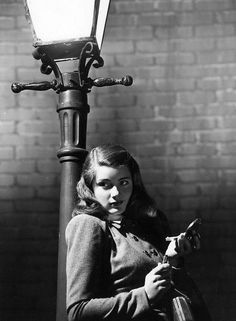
181 245
196 241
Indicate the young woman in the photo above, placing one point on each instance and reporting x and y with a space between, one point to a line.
120 265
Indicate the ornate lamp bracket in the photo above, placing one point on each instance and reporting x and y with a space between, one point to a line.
89 56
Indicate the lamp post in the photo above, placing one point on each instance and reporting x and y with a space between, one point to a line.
68 30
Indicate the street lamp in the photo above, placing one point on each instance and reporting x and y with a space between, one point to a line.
62 31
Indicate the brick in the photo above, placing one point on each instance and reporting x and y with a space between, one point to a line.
15 36
94 140
47 166
179 137
6 207
156 125
15 166
195 44
14 61
116 100
150 72
193 71
30 74
208 84
16 193
174 84
195 202
135 112
227 96
38 206
227 16
129 33
196 18
6 153
49 140
12 9
176 112
135 138
7 23
222 162
196 124
48 193
7 48
36 100
11 114
33 152
21 22
157 19
7 127
185 162
26 48
184 5
6 180
121 20
134 60
218 136
188 176
118 47
217 30
230 175
213 5
129 125
102 113
216 57
134 7
197 149
37 126
152 46
178 32
35 179
158 99
6 74
175 58
228 149
196 97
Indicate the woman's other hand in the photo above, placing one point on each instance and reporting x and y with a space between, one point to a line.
158 282
181 245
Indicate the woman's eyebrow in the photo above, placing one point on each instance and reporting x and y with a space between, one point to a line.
126 177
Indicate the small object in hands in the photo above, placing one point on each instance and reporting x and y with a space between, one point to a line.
192 230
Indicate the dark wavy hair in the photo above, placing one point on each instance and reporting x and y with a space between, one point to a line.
140 203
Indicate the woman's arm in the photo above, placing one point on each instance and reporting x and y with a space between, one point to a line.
87 240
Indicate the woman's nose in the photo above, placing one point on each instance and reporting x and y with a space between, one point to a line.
114 191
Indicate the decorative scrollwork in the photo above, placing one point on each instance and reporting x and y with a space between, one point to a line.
90 50
89 56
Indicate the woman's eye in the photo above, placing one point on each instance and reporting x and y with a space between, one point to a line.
104 185
124 183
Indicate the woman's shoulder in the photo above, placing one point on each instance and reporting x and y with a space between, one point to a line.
86 221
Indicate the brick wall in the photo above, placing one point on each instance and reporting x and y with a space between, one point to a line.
178 119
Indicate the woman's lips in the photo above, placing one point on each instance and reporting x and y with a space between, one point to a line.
115 204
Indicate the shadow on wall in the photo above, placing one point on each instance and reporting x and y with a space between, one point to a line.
214 267
28 250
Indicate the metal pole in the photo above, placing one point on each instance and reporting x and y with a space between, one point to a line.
73 110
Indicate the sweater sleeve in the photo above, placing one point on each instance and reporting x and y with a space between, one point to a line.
86 241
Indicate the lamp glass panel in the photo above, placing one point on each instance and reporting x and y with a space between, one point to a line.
61 20
102 16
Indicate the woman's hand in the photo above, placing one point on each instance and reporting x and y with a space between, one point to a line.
181 245
158 282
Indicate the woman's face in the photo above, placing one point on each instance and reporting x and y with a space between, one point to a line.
112 187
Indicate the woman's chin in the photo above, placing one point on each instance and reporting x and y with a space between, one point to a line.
115 215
